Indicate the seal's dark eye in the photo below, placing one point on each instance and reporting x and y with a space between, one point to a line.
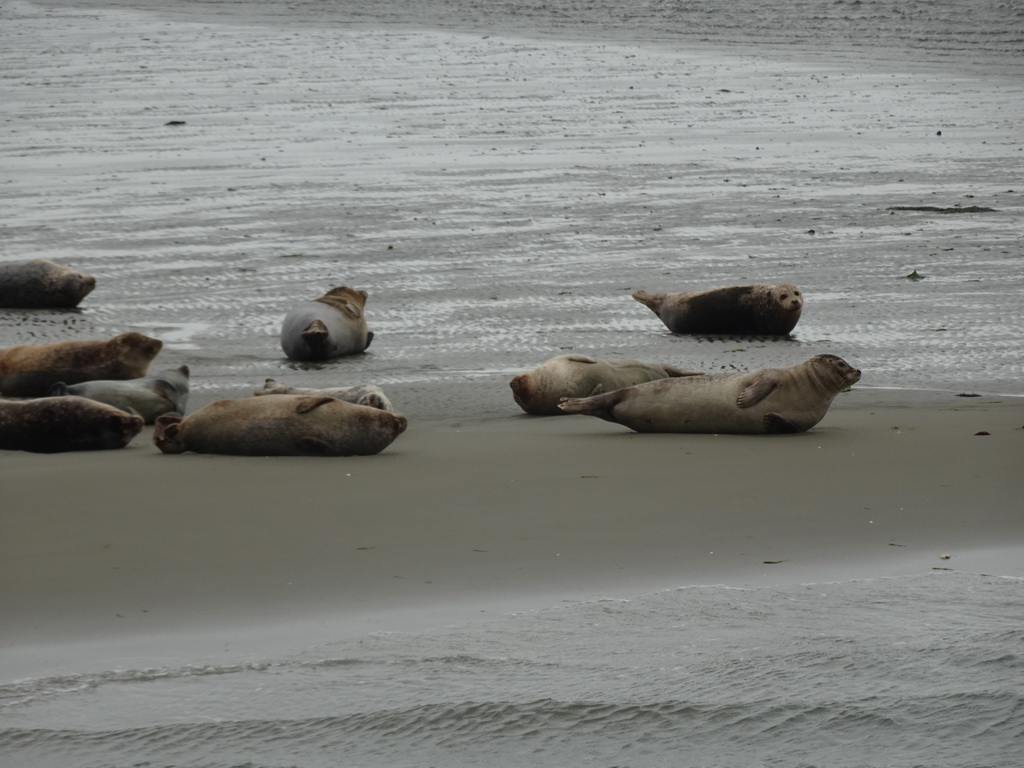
785 296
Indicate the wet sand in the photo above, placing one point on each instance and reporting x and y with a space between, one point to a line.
142 556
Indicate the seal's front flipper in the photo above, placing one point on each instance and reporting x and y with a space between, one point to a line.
776 425
756 391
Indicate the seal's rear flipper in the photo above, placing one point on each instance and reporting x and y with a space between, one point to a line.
316 336
599 405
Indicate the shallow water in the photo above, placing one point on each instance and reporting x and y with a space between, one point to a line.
500 196
906 671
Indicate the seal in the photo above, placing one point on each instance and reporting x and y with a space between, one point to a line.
58 424
42 284
283 425
150 396
328 327
30 370
768 400
364 394
747 309
539 391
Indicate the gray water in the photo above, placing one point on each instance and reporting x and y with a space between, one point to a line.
500 190
499 213
912 671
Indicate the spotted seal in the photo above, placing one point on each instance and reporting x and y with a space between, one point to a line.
30 370
363 394
42 284
58 424
745 309
150 396
327 327
768 400
282 425
539 391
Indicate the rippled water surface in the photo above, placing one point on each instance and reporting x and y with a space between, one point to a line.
500 195
894 672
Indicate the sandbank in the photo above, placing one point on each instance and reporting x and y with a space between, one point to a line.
139 556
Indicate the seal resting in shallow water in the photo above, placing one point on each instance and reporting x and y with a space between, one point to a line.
282 425
57 424
31 370
768 400
330 326
539 391
150 396
748 309
364 394
42 284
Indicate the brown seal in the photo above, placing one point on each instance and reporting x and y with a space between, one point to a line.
57 424
328 327
31 370
539 391
747 309
42 284
283 425
769 400
362 394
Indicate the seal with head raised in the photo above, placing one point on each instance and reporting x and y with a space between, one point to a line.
768 400
149 396
42 284
31 370
363 394
539 391
330 326
283 425
747 309
57 424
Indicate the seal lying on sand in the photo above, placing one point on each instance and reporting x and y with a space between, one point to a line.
747 309
42 284
31 370
283 425
769 400
150 397
57 424
330 326
540 390
366 394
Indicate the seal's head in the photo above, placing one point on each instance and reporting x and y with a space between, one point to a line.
788 297
136 349
348 301
835 372
167 433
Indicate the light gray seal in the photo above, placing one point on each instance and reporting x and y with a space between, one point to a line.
150 396
282 425
744 309
30 370
539 391
364 394
328 327
42 284
768 400
58 424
